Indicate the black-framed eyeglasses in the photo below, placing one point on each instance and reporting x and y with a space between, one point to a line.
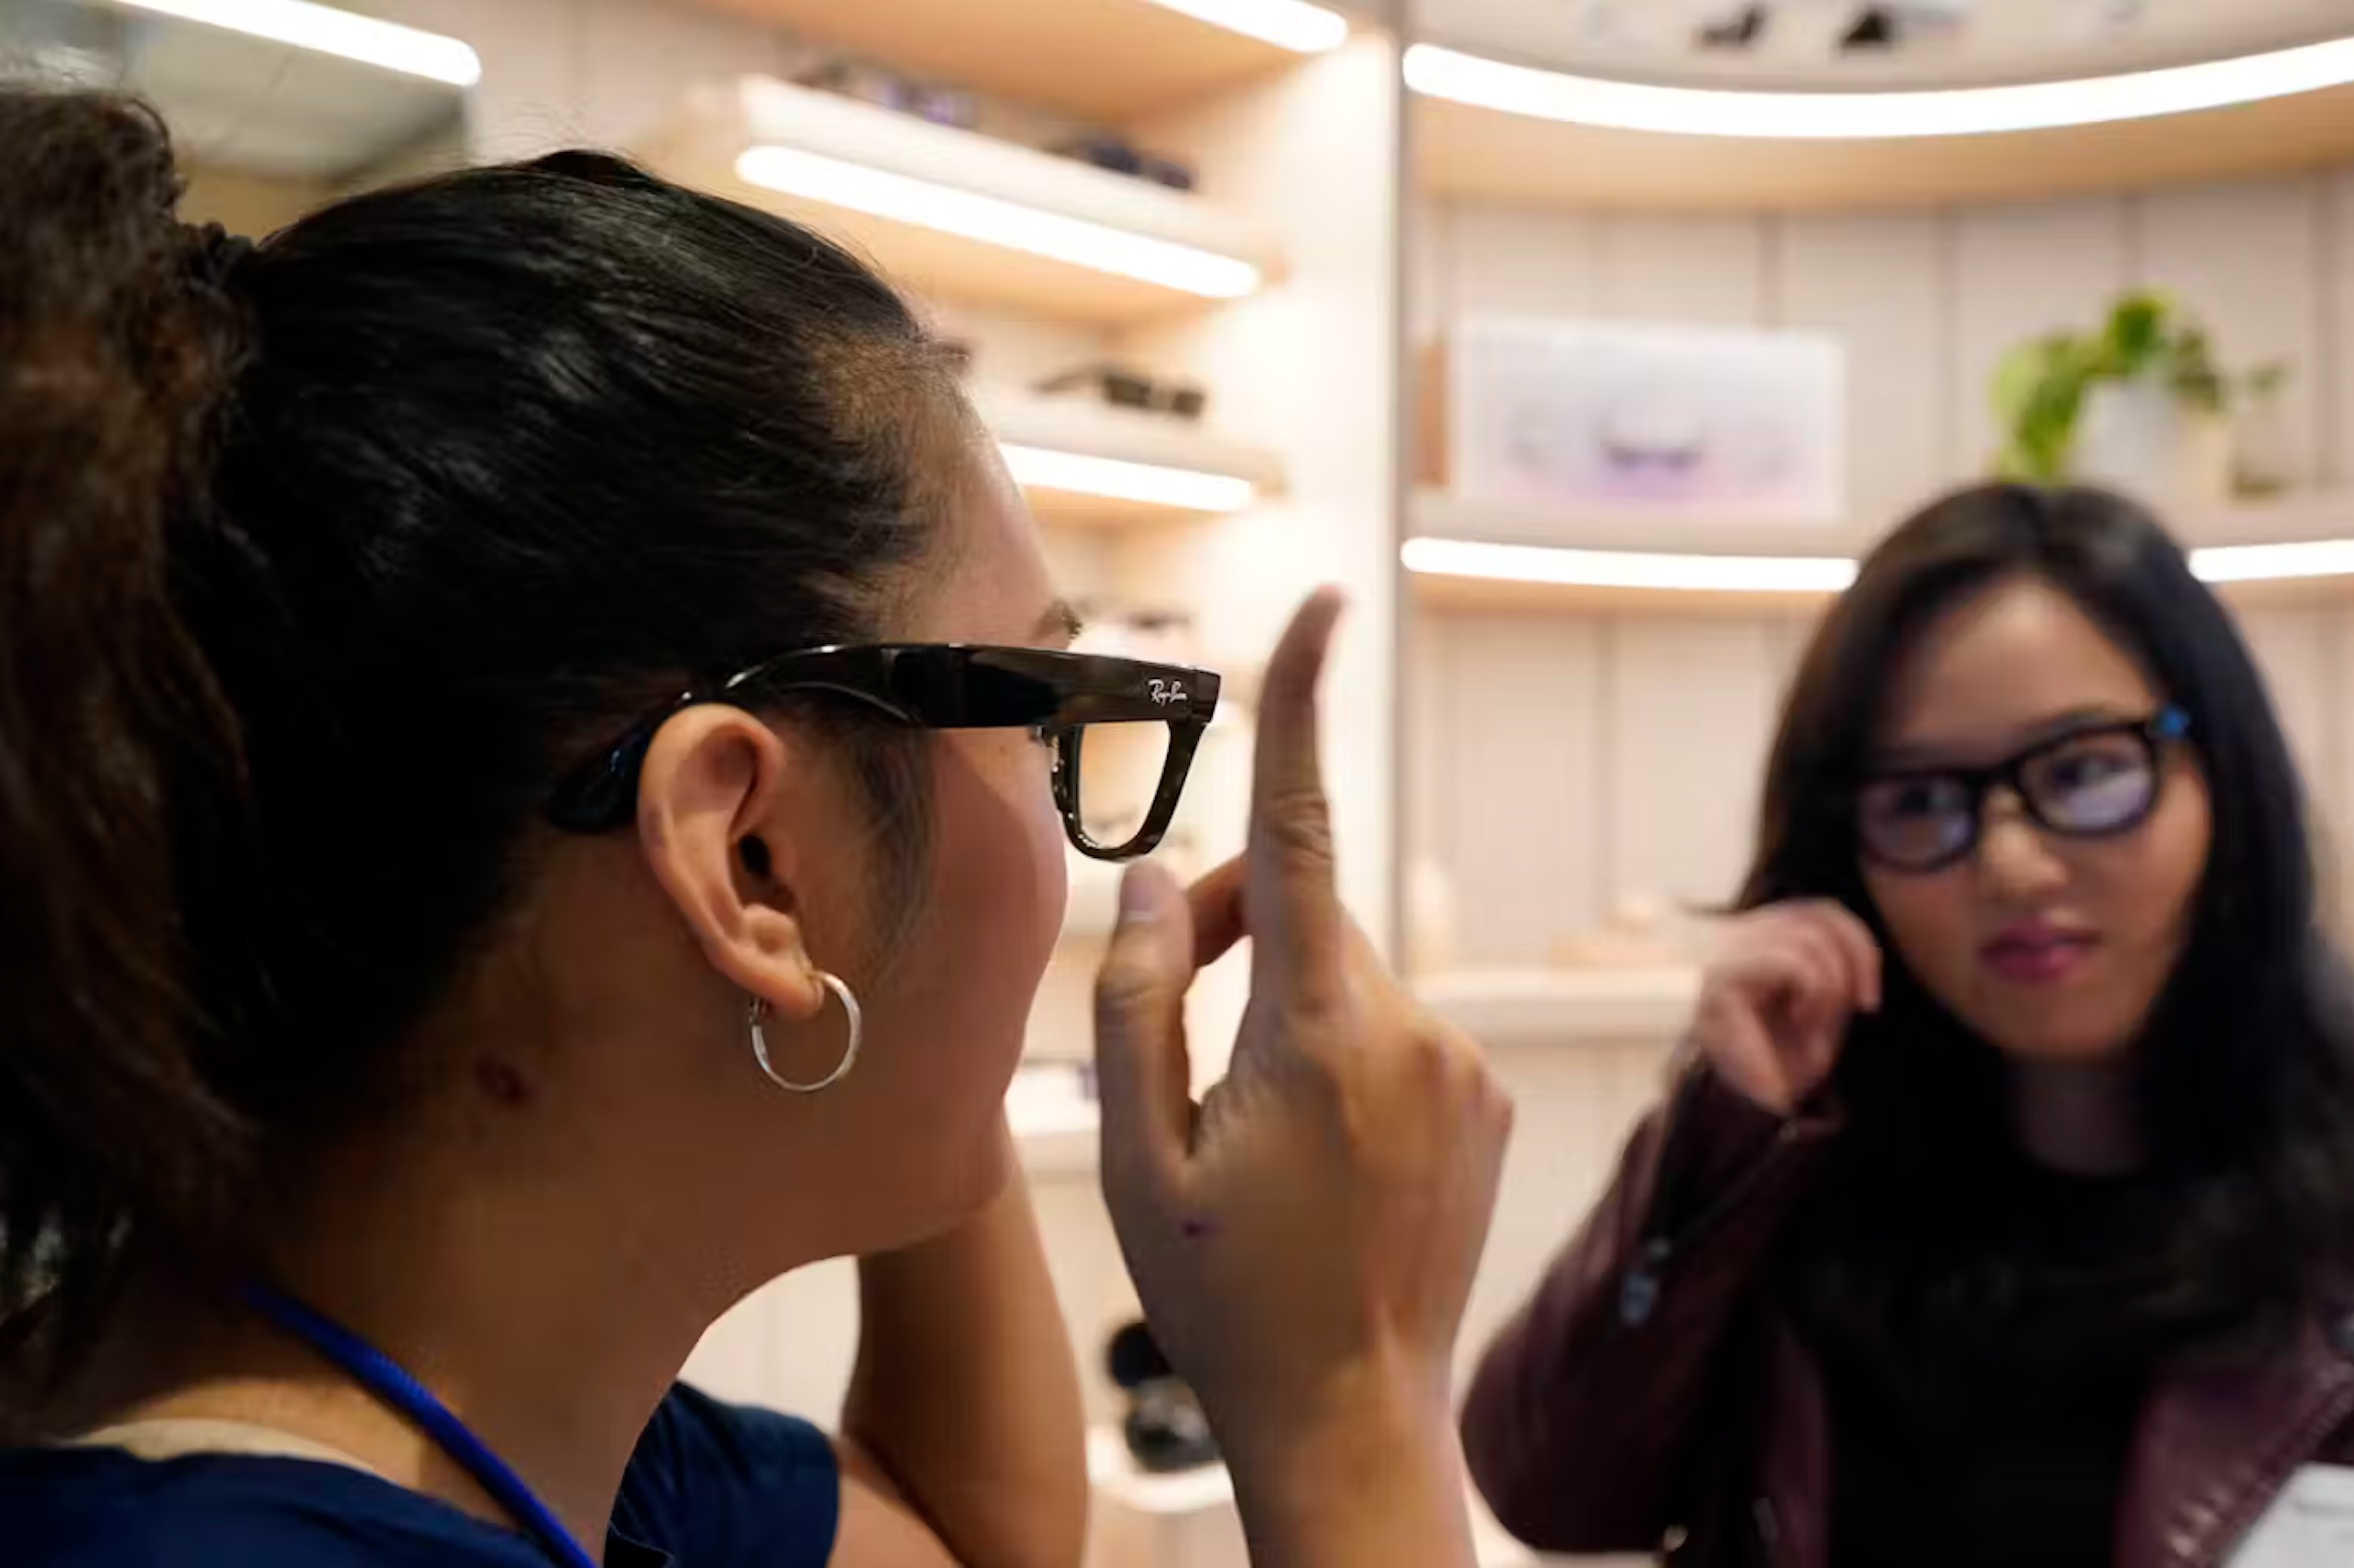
1136 725
2088 783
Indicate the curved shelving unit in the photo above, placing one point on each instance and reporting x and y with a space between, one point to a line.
1483 554
958 215
1111 60
1573 141
288 93
1083 462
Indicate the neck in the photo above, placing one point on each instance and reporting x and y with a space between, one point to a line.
545 1311
2080 1118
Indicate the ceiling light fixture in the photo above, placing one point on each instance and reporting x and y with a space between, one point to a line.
326 30
994 221
1287 24
1627 568
1866 116
1075 473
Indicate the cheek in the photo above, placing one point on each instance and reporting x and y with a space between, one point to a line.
2152 887
1930 920
1000 881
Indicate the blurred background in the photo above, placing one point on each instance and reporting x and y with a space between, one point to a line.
1584 342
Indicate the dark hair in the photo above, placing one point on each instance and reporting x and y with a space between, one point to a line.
2247 1085
318 565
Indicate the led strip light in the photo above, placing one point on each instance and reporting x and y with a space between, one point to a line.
1287 24
325 30
1626 568
2247 563
1875 116
995 221
1185 489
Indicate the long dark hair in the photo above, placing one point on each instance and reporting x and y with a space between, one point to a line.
2247 1081
318 564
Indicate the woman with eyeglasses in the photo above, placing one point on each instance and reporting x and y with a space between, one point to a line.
2003 1207
536 750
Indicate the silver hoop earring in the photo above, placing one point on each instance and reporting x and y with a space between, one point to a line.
850 1010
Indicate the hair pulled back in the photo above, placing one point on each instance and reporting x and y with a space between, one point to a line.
319 563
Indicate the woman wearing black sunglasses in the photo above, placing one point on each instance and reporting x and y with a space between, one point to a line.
536 754
2004 1209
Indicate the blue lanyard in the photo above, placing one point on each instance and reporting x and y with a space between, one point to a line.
380 1375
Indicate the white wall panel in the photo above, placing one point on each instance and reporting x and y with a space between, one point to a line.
637 60
1707 270
1691 709
1878 283
2247 260
1520 752
1521 262
2017 272
2334 376
529 100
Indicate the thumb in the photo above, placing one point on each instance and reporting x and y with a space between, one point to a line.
1143 1075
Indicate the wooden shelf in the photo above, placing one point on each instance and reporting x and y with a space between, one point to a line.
1442 516
965 179
1084 428
1468 152
1519 1007
1115 61
1437 515
237 101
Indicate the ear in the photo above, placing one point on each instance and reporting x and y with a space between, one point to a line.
716 799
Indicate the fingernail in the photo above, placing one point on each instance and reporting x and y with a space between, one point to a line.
1139 900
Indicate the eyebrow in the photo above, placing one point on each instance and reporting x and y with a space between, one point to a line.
1059 620
1931 756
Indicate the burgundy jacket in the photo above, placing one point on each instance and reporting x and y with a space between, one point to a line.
1653 1396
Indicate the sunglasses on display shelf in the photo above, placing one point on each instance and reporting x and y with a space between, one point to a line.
2092 782
1154 714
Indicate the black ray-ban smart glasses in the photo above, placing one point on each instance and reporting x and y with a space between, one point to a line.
2088 783
1140 723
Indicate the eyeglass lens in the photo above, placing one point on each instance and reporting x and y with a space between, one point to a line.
2083 786
1114 773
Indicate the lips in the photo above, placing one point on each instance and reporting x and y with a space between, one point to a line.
2035 953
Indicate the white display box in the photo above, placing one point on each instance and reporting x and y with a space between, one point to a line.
1674 422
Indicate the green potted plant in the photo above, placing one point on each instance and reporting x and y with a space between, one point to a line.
2138 405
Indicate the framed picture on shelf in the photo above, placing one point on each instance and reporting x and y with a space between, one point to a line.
1673 421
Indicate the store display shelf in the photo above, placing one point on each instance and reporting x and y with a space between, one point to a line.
1521 1007
958 215
1083 463
1479 555
262 94
1468 148
1108 60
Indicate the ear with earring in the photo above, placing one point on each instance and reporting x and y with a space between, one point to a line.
758 1016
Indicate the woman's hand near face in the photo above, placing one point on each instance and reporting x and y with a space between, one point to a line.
1776 998
1304 1240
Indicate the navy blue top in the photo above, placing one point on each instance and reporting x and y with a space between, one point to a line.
710 1486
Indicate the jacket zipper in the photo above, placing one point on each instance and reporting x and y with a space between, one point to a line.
1639 1290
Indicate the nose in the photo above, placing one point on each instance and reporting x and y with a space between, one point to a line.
2015 861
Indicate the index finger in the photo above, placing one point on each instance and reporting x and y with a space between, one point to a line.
1289 892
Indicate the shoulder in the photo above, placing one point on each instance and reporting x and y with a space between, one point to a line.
716 1485
103 1508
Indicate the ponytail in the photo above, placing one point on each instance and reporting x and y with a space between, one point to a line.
318 569
116 350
